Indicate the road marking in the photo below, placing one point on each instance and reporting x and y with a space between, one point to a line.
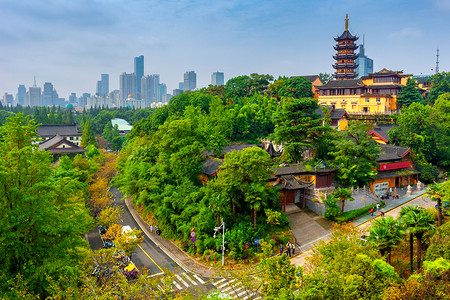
189 278
151 259
199 279
181 279
176 284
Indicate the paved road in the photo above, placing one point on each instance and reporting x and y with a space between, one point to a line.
147 254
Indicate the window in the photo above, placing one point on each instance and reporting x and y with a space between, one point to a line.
366 109
378 100
71 138
367 99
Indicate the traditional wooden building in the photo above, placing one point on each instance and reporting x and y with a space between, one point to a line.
345 57
373 94
69 132
300 183
58 146
395 169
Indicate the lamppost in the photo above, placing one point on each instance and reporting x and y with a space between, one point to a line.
216 229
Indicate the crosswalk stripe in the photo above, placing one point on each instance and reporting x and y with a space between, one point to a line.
219 282
189 278
181 280
176 284
226 283
198 278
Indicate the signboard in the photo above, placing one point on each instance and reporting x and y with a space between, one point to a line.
381 188
257 241
192 233
394 166
193 239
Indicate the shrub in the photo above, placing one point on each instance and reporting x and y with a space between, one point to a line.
428 172
353 214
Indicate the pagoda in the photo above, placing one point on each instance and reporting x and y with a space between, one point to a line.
345 58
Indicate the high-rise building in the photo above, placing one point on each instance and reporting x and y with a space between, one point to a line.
21 93
8 99
139 72
217 78
150 89
176 92
181 86
365 64
190 81
127 85
345 58
103 86
162 90
47 94
34 96
73 98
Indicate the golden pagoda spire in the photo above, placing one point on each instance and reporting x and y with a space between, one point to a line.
346 22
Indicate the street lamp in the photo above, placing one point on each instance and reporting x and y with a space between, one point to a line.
216 229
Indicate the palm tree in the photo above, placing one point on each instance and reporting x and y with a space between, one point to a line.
385 233
418 221
343 194
436 193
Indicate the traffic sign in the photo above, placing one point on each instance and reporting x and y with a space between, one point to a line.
257 241
193 239
192 233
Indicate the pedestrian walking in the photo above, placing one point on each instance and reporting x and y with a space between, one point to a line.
382 212
371 211
151 228
293 249
288 249
378 207
281 249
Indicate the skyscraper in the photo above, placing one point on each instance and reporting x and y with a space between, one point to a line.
103 86
8 99
139 72
190 81
21 93
47 94
162 90
217 78
365 64
34 96
127 85
150 89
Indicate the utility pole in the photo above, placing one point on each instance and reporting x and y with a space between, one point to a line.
216 229
437 61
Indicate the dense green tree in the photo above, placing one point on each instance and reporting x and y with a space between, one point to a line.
437 192
297 126
343 194
421 129
325 77
409 94
279 277
243 180
417 222
242 86
440 85
385 233
356 155
42 220
88 137
293 87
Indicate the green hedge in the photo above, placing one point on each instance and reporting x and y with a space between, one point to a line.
356 213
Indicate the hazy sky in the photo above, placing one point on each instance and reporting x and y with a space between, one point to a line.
70 43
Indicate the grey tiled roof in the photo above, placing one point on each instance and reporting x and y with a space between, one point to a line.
390 152
211 166
62 130
382 129
349 83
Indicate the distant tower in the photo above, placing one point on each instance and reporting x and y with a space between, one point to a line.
345 58
47 94
190 81
365 64
34 95
150 89
127 85
103 86
217 78
139 72
437 61
20 97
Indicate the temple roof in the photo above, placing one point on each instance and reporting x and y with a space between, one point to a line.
59 145
346 35
62 130
381 131
391 152
349 83
386 72
290 182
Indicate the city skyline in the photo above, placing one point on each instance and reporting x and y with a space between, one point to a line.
70 44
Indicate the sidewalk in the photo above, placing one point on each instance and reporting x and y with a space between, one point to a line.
186 262
390 209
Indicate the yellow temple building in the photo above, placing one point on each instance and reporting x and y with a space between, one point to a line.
373 94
